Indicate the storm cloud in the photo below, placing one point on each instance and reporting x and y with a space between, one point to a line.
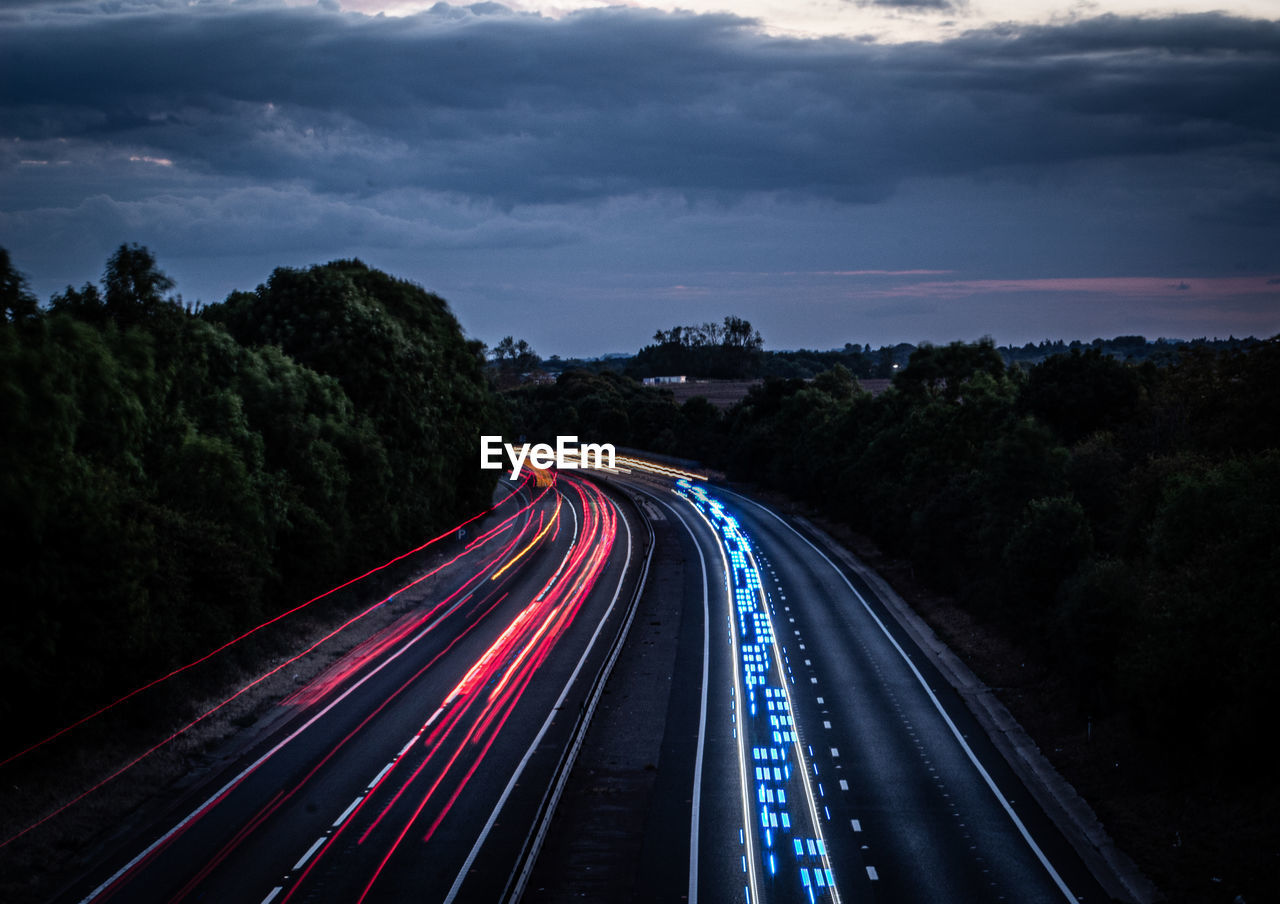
482 127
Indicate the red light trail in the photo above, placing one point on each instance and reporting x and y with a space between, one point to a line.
423 782
475 545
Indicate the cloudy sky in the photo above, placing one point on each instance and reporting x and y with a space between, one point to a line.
582 175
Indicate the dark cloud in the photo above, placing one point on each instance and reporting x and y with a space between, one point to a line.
527 163
523 109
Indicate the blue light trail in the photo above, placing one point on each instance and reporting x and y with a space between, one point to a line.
778 800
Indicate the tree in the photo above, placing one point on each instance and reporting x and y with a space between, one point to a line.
16 300
1080 393
134 285
515 355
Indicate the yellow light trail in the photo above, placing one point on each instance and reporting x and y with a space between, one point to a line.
542 533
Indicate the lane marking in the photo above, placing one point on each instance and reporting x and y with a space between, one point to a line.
385 769
307 856
347 812
702 718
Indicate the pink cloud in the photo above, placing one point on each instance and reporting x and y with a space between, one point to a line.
1119 286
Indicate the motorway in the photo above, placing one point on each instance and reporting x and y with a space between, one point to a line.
770 733
416 767
823 757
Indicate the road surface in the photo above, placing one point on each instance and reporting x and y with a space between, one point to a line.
416 767
805 748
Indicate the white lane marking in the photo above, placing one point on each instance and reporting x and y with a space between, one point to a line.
379 776
347 812
844 785
986 776
702 717
872 874
826 724
856 825
813 680
307 856
272 896
835 752
821 701
555 711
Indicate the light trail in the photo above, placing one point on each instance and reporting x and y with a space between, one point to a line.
653 467
328 684
764 720
453 742
555 518
112 776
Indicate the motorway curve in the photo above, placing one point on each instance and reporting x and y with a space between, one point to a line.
806 749
829 760
414 768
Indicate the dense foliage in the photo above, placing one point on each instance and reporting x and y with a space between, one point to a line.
608 407
1120 517
171 476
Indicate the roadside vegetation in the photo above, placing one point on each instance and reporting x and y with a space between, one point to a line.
172 475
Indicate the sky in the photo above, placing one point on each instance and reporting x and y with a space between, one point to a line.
583 175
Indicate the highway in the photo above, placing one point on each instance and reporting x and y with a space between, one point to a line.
818 754
770 733
417 767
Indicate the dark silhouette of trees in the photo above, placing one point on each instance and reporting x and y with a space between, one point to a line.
170 477
731 350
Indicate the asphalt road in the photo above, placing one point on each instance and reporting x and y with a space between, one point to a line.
769 733
415 768
801 747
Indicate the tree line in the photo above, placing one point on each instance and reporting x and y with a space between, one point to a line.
1117 519
173 474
